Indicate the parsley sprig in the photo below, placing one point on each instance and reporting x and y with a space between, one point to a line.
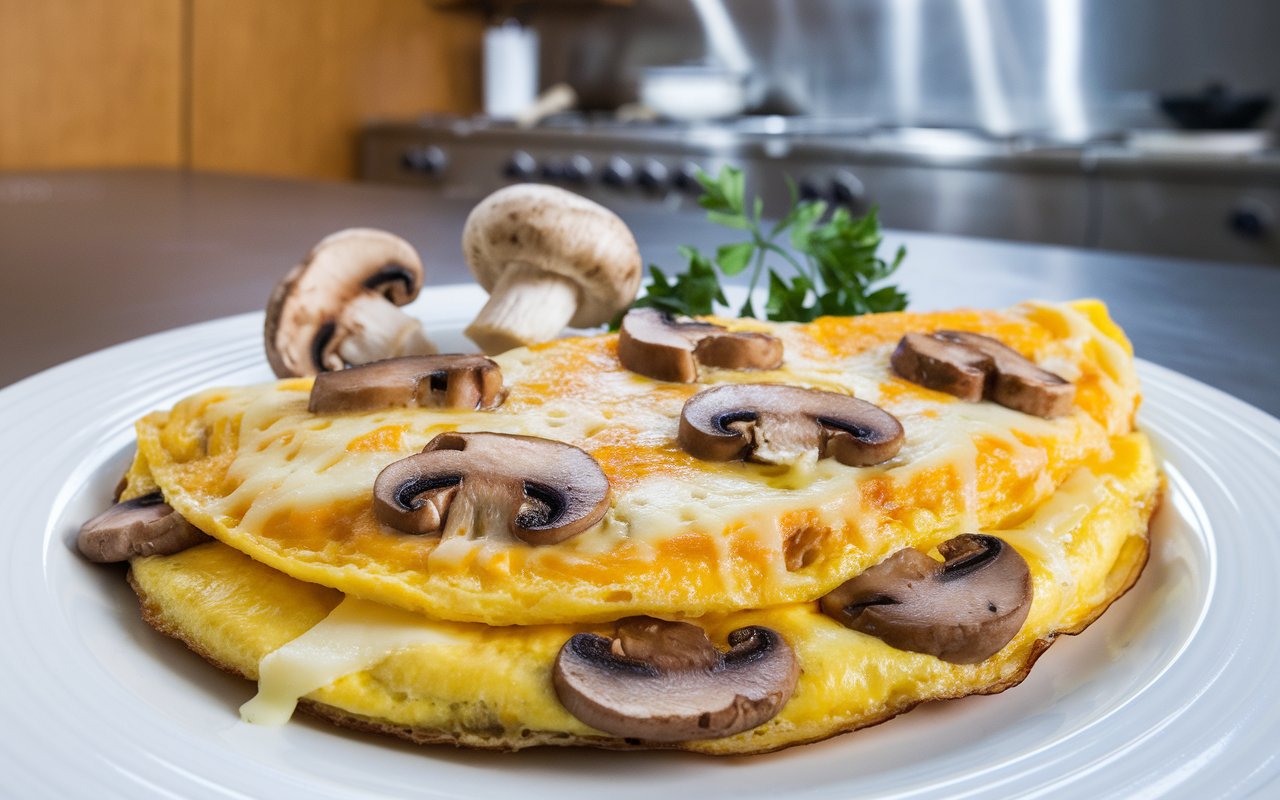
832 267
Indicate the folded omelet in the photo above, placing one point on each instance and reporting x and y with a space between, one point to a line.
481 634
683 536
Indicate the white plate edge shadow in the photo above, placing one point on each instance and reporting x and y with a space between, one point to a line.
135 774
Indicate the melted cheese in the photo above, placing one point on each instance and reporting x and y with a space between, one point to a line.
682 536
492 686
354 637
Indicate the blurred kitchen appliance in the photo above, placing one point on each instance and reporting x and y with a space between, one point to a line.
1106 194
555 100
693 93
510 69
1071 69
1215 108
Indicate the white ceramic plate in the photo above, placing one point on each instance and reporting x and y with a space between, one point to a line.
1172 692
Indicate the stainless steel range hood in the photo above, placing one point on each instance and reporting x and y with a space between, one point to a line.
1066 69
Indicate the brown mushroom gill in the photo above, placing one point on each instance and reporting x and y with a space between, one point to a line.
143 526
773 424
657 346
662 681
463 382
972 366
396 282
963 610
539 491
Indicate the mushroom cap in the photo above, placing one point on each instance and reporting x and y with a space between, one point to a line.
941 365
1017 382
662 681
749 420
559 232
456 381
304 307
963 610
655 345
542 490
972 366
143 526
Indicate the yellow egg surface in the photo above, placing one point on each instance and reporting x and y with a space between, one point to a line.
682 537
492 686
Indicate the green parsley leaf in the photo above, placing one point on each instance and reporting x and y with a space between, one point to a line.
729 220
734 258
724 192
787 300
832 266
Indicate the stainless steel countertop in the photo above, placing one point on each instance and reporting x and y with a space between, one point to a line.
90 259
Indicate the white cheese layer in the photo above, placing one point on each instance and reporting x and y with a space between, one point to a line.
356 636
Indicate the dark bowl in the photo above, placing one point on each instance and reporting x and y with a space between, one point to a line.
1215 110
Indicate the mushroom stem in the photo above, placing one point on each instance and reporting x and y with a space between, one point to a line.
778 439
481 485
483 509
528 305
377 329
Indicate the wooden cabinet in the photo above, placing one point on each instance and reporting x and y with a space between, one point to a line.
282 87
276 88
90 83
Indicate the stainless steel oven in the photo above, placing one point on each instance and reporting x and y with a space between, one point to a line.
950 181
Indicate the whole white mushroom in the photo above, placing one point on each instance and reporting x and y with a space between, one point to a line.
339 307
548 258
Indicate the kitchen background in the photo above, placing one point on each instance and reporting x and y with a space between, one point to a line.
1033 120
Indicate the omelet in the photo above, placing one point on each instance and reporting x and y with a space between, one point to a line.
682 536
722 581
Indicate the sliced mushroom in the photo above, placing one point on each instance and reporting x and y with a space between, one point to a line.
143 526
1018 383
972 366
666 682
339 306
449 381
549 258
476 484
942 365
963 610
775 424
653 344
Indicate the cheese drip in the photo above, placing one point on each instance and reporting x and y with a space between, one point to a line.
356 636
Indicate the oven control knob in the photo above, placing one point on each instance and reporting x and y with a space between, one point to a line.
1252 219
424 160
520 167
617 173
576 170
808 190
686 179
552 170
653 176
848 191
